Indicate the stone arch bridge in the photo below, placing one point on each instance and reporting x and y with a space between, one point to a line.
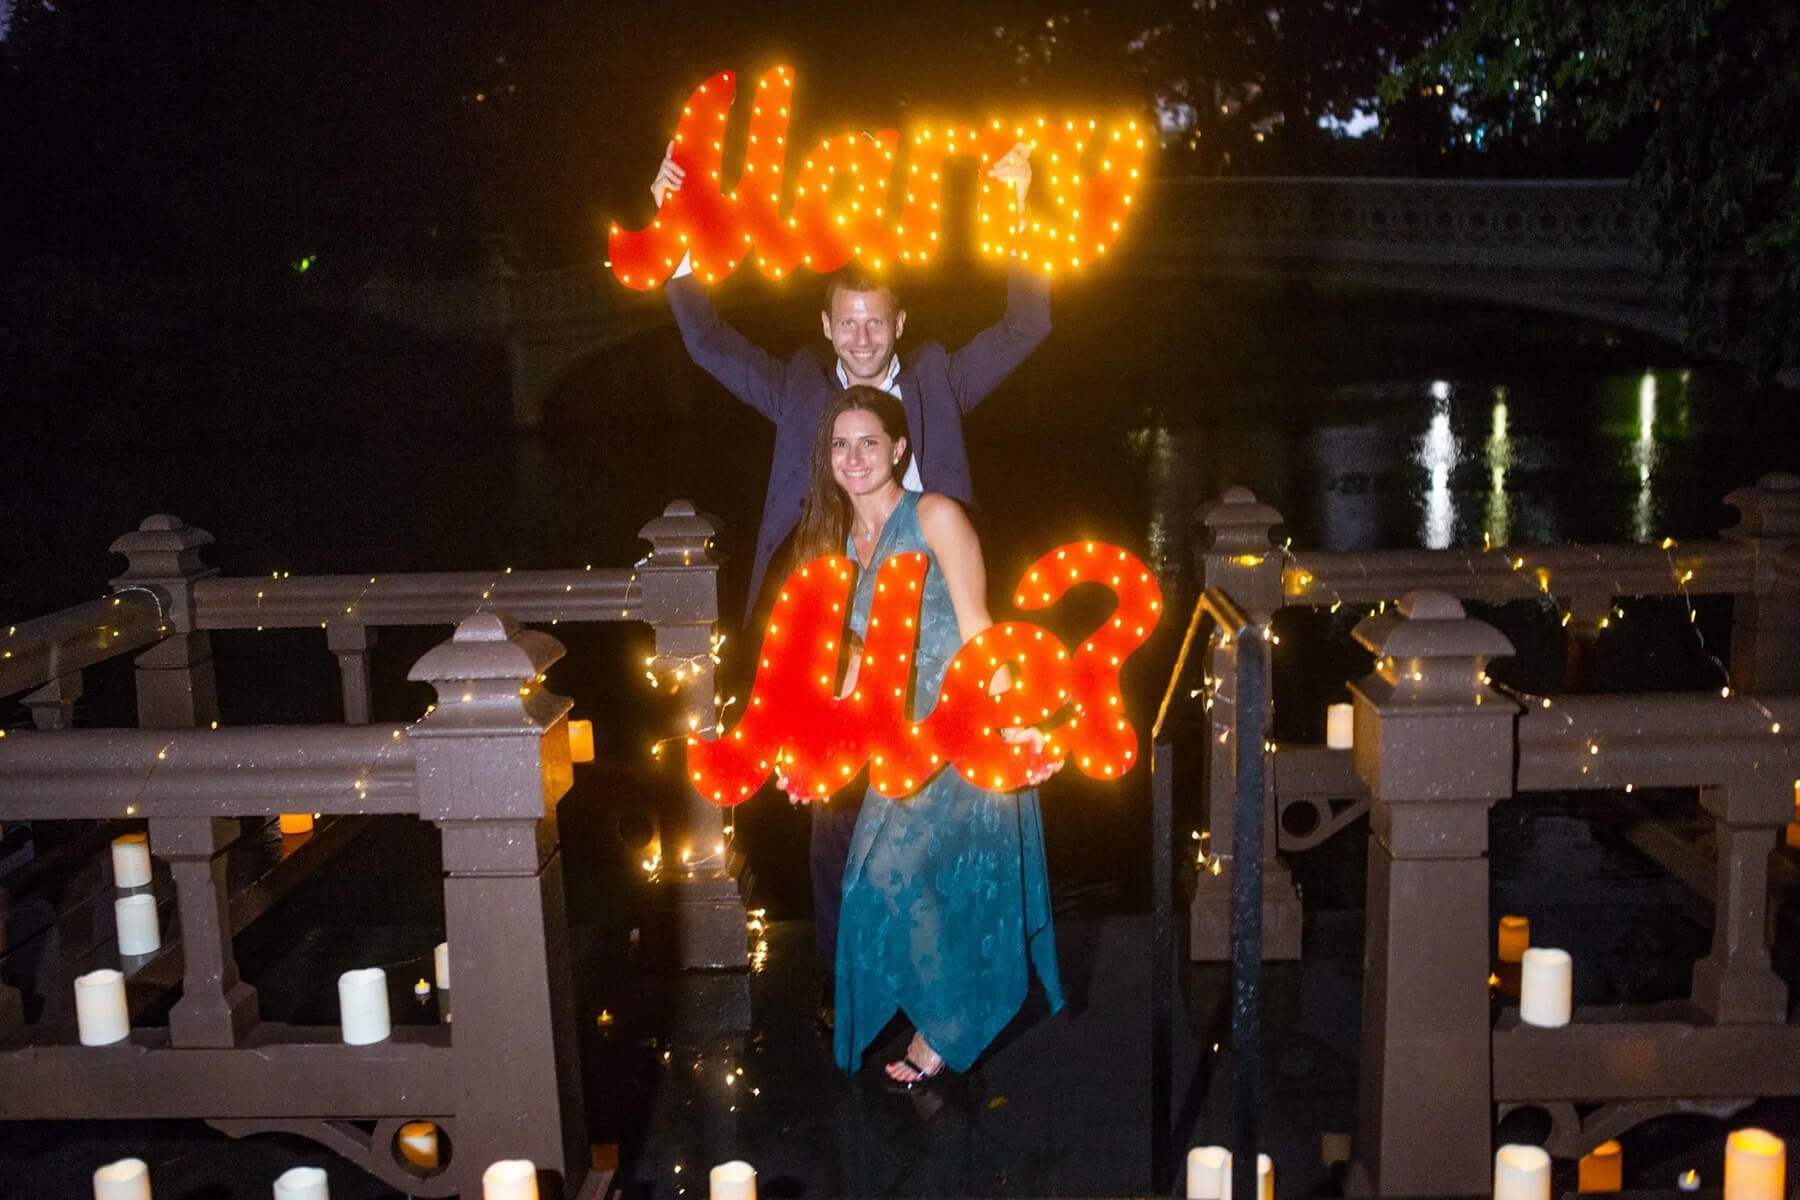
1572 247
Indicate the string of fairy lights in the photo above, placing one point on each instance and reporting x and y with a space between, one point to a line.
1682 578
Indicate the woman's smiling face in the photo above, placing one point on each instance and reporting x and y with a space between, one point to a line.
863 456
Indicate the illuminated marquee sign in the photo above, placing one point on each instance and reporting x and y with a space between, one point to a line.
796 723
1084 173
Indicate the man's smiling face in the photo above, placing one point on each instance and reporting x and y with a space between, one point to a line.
863 327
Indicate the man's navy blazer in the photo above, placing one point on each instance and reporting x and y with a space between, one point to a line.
936 388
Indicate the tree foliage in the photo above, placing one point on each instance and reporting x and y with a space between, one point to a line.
1713 89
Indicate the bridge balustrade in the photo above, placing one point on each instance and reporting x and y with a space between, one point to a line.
486 765
1313 792
1435 744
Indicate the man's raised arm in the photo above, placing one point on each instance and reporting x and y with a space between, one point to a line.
748 371
997 351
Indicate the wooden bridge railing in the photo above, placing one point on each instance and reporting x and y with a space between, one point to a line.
486 765
1756 562
1436 745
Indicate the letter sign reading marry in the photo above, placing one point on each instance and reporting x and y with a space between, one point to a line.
796 723
850 199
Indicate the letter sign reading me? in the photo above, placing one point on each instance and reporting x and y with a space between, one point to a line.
796 723
874 198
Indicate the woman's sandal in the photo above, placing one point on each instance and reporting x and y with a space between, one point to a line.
920 1074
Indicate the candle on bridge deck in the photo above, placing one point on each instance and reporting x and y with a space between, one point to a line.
418 1142
1340 726
135 917
1209 1173
101 1017
734 1180
440 965
295 823
363 1006
1755 1165
1521 1173
302 1183
510 1179
127 1179
1515 939
1546 987
1602 1169
131 860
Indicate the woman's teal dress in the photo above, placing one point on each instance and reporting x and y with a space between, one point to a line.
946 895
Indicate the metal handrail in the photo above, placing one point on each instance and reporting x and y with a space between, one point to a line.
1251 682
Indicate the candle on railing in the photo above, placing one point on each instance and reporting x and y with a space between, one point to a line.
440 967
1265 1177
510 1179
418 1142
1602 1169
1521 1173
302 1183
363 1006
101 1017
735 1180
135 917
295 823
1515 939
1546 987
1755 1165
1340 726
127 1179
131 860
581 741
1209 1173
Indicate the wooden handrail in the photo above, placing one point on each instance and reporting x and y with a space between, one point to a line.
35 652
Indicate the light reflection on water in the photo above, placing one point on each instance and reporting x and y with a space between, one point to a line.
1438 454
1498 511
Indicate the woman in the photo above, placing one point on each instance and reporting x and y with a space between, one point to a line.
946 900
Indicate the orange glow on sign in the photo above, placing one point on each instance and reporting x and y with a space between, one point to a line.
796 722
852 199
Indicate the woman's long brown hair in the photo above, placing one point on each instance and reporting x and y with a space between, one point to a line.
825 522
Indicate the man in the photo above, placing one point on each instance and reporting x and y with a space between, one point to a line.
863 321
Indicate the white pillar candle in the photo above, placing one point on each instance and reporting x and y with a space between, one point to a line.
131 861
100 1013
1209 1173
418 1142
135 917
1546 987
1521 1173
302 1183
510 1179
1265 1177
363 1006
127 1179
1340 726
1755 1165
440 965
735 1180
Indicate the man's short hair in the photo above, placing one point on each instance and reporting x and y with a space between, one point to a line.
856 278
